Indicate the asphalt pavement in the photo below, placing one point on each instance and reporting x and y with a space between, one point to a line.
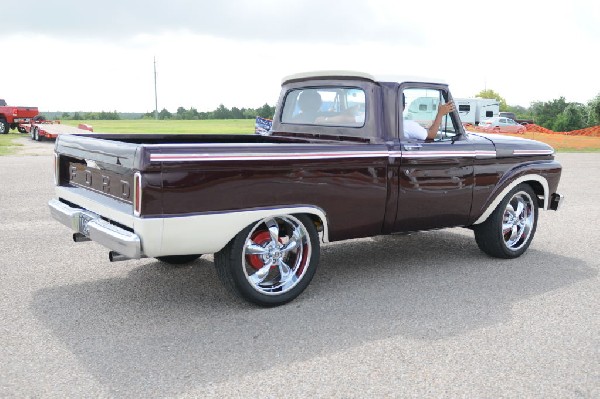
420 315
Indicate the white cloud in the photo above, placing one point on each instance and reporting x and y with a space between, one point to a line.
73 55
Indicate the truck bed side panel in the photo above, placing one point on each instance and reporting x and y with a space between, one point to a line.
351 191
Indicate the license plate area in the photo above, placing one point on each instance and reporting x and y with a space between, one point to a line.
83 222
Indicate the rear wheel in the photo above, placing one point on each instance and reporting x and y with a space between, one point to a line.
4 126
509 230
272 261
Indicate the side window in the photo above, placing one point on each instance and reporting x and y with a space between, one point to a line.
420 111
326 106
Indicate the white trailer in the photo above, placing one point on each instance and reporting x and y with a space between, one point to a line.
474 110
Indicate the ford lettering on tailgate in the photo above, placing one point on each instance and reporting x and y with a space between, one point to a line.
92 177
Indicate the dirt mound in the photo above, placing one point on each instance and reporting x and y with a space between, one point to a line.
593 131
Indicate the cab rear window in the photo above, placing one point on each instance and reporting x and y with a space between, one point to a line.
326 106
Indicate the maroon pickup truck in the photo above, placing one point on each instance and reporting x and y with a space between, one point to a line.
336 165
11 117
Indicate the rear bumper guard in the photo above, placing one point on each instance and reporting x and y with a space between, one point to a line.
97 229
556 200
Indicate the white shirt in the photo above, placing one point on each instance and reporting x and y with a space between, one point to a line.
412 130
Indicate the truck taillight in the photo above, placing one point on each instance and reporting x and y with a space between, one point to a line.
137 193
56 171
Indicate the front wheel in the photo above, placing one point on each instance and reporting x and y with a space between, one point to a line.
271 261
509 230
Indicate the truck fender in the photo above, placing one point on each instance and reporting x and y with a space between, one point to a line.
491 206
180 235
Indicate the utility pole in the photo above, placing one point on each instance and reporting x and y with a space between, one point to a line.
155 93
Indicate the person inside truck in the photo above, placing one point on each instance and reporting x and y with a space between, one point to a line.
309 102
413 130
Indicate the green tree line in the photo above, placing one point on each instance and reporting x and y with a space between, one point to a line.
91 116
558 114
221 112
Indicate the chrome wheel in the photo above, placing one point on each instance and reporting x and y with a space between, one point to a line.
509 230
518 221
271 261
276 255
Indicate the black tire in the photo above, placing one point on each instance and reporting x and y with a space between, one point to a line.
256 267
32 132
178 259
21 130
37 135
4 126
508 232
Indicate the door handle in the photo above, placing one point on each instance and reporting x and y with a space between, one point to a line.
412 147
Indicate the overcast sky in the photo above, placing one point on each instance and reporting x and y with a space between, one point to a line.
76 55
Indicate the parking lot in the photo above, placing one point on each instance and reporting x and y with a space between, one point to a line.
420 315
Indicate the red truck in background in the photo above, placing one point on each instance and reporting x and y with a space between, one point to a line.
11 117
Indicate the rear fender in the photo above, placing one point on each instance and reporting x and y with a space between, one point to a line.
209 233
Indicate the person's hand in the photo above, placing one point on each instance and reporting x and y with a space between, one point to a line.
446 108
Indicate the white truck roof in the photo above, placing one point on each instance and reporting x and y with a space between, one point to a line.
361 75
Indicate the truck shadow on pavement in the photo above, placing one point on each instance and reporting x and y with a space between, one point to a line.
162 330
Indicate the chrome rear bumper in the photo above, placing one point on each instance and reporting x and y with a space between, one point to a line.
97 229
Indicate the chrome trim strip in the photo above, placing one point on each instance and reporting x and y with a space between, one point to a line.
56 168
179 157
265 156
542 180
445 154
137 193
533 152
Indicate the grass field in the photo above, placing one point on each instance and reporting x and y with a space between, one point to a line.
564 143
7 144
561 143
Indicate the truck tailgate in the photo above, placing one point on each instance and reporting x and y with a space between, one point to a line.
95 191
97 174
